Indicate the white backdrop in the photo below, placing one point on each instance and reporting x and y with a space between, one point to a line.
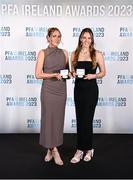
23 28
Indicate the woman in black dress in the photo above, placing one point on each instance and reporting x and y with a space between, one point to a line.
86 58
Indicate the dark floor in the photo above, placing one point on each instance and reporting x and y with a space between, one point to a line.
21 157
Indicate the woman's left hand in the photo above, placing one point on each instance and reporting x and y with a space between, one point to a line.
90 76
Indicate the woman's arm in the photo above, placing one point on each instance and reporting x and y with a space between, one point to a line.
39 74
71 60
66 55
101 65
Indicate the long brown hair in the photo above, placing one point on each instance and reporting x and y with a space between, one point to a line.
91 48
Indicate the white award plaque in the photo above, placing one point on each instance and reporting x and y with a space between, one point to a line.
64 73
80 73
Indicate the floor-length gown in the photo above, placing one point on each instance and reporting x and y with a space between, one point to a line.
85 97
53 99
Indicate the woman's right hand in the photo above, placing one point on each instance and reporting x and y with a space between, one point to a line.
58 76
73 74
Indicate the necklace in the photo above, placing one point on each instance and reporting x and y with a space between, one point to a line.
84 52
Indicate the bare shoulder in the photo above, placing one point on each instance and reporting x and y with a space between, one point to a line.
66 54
99 53
41 53
99 56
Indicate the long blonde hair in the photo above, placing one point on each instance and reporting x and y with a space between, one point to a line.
91 48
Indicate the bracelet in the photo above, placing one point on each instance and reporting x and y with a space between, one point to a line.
96 76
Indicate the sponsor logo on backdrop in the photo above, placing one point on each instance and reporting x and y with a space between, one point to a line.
124 79
31 31
5 78
20 55
21 101
97 123
116 55
112 101
5 31
33 123
98 31
31 79
126 32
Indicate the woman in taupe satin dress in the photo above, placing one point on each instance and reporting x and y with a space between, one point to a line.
53 94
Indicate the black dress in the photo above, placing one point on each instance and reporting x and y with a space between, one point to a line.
85 97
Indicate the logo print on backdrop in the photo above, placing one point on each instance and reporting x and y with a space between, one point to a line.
124 79
21 101
33 123
112 101
126 32
30 79
20 55
116 55
5 31
5 78
36 31
98 31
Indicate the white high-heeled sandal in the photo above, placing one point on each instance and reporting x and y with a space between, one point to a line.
89 155
48 156
77 156
57 157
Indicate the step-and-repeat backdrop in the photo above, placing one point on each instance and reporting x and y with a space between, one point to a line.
23 29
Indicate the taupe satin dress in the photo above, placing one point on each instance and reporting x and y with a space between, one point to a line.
53 100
